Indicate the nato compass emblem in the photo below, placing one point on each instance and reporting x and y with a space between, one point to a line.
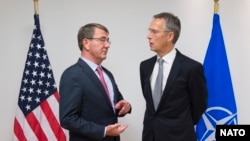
215 116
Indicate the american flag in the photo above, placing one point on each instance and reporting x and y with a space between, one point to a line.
37 113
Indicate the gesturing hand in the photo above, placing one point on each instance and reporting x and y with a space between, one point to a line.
115 129
123 106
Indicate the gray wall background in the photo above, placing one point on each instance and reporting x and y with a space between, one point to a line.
127 21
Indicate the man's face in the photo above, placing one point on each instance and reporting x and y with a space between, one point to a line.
97 47
157 35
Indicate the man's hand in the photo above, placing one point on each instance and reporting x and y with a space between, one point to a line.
123 106
115 129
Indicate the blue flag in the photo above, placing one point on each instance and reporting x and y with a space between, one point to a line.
221 108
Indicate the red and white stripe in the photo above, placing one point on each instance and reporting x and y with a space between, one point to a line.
42 124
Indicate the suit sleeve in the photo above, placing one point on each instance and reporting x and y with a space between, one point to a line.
198 93
118 96
70 108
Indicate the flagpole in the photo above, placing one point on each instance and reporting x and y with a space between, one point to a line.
36 6
216 6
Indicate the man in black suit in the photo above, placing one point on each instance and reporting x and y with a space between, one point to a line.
183 95
90 101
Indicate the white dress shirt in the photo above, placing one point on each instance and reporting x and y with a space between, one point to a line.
167 64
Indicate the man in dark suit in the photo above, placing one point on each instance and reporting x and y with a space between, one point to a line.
172 112
90 101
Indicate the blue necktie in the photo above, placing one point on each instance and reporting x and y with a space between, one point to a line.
158 84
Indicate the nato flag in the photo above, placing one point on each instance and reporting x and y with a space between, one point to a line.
221 108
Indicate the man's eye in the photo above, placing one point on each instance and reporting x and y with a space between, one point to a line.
103 39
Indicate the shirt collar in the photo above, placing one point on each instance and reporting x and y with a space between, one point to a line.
91 64
169 58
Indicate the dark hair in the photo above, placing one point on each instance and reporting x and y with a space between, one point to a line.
172 23
87 31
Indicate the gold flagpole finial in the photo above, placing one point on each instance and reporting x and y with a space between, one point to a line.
216 6
36 6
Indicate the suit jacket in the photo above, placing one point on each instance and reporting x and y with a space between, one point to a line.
183 101
84 107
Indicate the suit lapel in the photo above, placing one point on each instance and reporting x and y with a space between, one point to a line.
175 69
93 77
148 82
112 81
173 74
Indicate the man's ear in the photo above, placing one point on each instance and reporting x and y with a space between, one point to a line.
170 36
85 43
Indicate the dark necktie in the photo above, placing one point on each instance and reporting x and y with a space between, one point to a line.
158 84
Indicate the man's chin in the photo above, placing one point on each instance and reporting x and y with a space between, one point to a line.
152 49
104 57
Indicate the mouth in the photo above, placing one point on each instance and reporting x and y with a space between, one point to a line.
150 44
105 51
